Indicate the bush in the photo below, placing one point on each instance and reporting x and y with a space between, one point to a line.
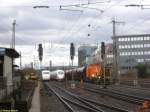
142 70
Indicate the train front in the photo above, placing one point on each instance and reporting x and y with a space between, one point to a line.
93 72
60 75
46 75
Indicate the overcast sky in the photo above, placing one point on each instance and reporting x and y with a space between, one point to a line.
60 27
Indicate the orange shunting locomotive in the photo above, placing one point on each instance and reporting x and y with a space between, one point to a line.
90 72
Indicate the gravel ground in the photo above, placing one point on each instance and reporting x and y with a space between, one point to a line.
101 98
132 90
50 103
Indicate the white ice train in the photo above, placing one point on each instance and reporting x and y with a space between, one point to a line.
58 75
45 75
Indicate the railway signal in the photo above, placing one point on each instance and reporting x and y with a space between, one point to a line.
72 51
40 50
102 50
103 60
72 54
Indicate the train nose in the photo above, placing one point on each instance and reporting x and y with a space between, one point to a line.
61 76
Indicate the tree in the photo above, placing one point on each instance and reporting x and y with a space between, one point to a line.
142 70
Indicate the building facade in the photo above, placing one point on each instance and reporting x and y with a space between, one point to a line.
95 57
131 50
85 51
109 55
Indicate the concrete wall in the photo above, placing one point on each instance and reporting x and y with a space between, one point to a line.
3 93
8 73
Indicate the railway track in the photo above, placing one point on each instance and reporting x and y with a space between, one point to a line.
142 83
74 102
134 87
131 90
118 95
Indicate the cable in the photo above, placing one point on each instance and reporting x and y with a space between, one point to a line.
96 17
133 26
72 26
99 10
85 4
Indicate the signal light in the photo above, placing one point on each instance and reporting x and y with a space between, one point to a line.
72 51
102 50
40 50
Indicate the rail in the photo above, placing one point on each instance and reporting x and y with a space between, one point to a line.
119 96
68 102
91 103
70 109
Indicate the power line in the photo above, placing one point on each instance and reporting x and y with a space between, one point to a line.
99 10
85 4
73 25
98 16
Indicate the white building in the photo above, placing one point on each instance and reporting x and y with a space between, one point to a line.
95 57
85 51
132 50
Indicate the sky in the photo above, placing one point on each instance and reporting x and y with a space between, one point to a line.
56 28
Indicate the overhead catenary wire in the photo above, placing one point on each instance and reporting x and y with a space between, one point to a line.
116 4
70 31
95 3
81 28
85 4
91 8
133 28
67 34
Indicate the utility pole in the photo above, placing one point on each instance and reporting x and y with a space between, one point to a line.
115 51
34 62
103 56
13 34
20 61
13 44
72 54
50 65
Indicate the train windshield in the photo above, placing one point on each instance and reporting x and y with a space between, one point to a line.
60 72
45 72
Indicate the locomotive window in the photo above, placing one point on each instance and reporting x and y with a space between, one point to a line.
46 72
60 72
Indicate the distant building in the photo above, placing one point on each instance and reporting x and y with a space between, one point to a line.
109 55
131 50
6 70
95 57
83 52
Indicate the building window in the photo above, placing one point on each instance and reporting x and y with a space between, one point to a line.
120 46
146 38
147 59
140 60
